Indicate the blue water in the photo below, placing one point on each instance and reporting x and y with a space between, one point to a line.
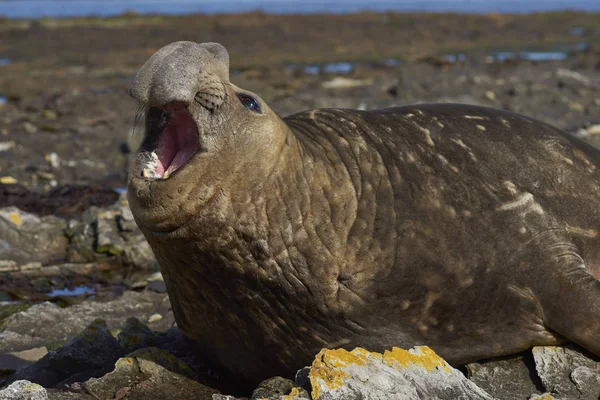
556 55
71 8
339 68
312 69
391 62
4 61
454 58
76 291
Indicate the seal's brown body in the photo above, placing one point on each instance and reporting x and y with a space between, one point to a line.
471 230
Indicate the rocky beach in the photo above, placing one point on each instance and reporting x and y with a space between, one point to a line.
84 312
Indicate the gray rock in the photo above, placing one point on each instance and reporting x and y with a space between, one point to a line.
567 373
276 388
23 390
107 235
26 238
30 128
136 335
54 394
108 239
110 234
84 356
46 324
576 79
398 374
82 238
587 381
302 379
147 375
507 379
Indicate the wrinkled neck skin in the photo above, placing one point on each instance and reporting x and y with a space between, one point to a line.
260 244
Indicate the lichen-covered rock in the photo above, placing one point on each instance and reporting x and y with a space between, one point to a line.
143 376
278 388
23 390
84 356
506 379
26 238
135 335
110 234
567 373
397 374
107 235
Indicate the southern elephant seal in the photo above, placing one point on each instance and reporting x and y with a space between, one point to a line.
468 229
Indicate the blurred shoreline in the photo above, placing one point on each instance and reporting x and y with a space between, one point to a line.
65 117
77 8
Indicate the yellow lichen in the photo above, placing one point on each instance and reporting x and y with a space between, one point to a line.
31 388
15 218
294 392
321 369
124 361
340 358
399 358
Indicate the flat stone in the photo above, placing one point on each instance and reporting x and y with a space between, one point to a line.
567 373
26 238
506 379
8 266
31 355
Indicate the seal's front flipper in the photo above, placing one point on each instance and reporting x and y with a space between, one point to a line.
571 304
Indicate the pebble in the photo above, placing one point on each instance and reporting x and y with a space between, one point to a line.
343 83
4 146
155 317
30 128
8 266
50 114
53 159
31 266
576 106
491 96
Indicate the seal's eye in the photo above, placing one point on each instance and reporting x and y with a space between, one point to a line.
249 102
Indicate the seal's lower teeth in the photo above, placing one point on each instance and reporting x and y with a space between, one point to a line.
146 173
166 174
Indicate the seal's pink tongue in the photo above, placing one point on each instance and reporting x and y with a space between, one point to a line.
177 142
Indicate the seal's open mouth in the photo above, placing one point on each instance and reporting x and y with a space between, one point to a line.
171 140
